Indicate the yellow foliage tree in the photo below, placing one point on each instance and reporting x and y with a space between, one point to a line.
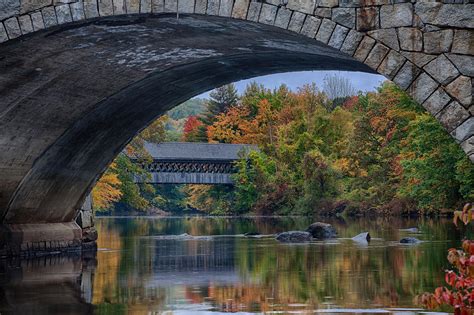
107 189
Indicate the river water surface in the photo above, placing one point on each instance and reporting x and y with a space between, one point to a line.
149 266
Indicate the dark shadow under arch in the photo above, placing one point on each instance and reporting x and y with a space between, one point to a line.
60 177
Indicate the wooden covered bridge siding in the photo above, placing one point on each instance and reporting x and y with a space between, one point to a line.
193 163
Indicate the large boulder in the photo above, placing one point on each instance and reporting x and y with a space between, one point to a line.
410 240
322 230
294 237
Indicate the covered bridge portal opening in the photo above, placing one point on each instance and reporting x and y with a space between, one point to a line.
73 95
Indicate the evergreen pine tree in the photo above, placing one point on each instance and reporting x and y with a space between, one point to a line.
221 99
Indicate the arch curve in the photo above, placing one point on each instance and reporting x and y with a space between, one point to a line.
77 91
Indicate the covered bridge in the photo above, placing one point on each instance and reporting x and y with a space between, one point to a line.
193 163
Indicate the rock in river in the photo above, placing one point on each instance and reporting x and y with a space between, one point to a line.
294 237
409 240
250 234
321 230
362 237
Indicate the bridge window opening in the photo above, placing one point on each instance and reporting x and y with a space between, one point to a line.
312 142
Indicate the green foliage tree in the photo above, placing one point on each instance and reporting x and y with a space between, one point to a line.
436 173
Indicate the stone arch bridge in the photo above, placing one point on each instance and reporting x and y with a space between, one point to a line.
79 78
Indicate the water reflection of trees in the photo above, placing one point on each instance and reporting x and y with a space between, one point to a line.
262 275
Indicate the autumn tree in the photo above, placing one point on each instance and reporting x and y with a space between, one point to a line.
107 190
191 129
220 100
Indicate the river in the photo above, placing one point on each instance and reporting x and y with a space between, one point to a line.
145 265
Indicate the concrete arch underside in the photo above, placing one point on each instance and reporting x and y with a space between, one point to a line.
72 95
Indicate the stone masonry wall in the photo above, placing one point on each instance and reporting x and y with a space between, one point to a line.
425 47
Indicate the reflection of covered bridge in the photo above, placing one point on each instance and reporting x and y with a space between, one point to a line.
193 163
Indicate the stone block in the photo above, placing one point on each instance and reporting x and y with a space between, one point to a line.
338 36
89 235
464 131
344 16
328 3
351 42
283 17
296 22
305 6
26 25
119 6
325 30
386 36
323 12
406 75
187 6
367 18
461 89
63 14
463 42
106 8
240 8
90 9
200 7
468 147
422 87
9 8
254 11
419 59
440 14
442 70
133 6
172 5
310 26
396 15
3 33
438 42
411 38
452 116
362 3
28 6
376 55
274 2
268 14
37 20
364 48
391 64
12 27
464 63
77 11
225 8
437 101
145 6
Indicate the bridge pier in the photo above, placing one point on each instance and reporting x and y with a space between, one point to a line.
35 240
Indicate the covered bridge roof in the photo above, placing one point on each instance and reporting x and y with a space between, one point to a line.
198 151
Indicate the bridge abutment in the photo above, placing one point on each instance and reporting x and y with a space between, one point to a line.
32 240
35 240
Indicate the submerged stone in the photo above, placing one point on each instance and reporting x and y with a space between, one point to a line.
409 240
294 237
250 234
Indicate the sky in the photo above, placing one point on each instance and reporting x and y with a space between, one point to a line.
360 80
